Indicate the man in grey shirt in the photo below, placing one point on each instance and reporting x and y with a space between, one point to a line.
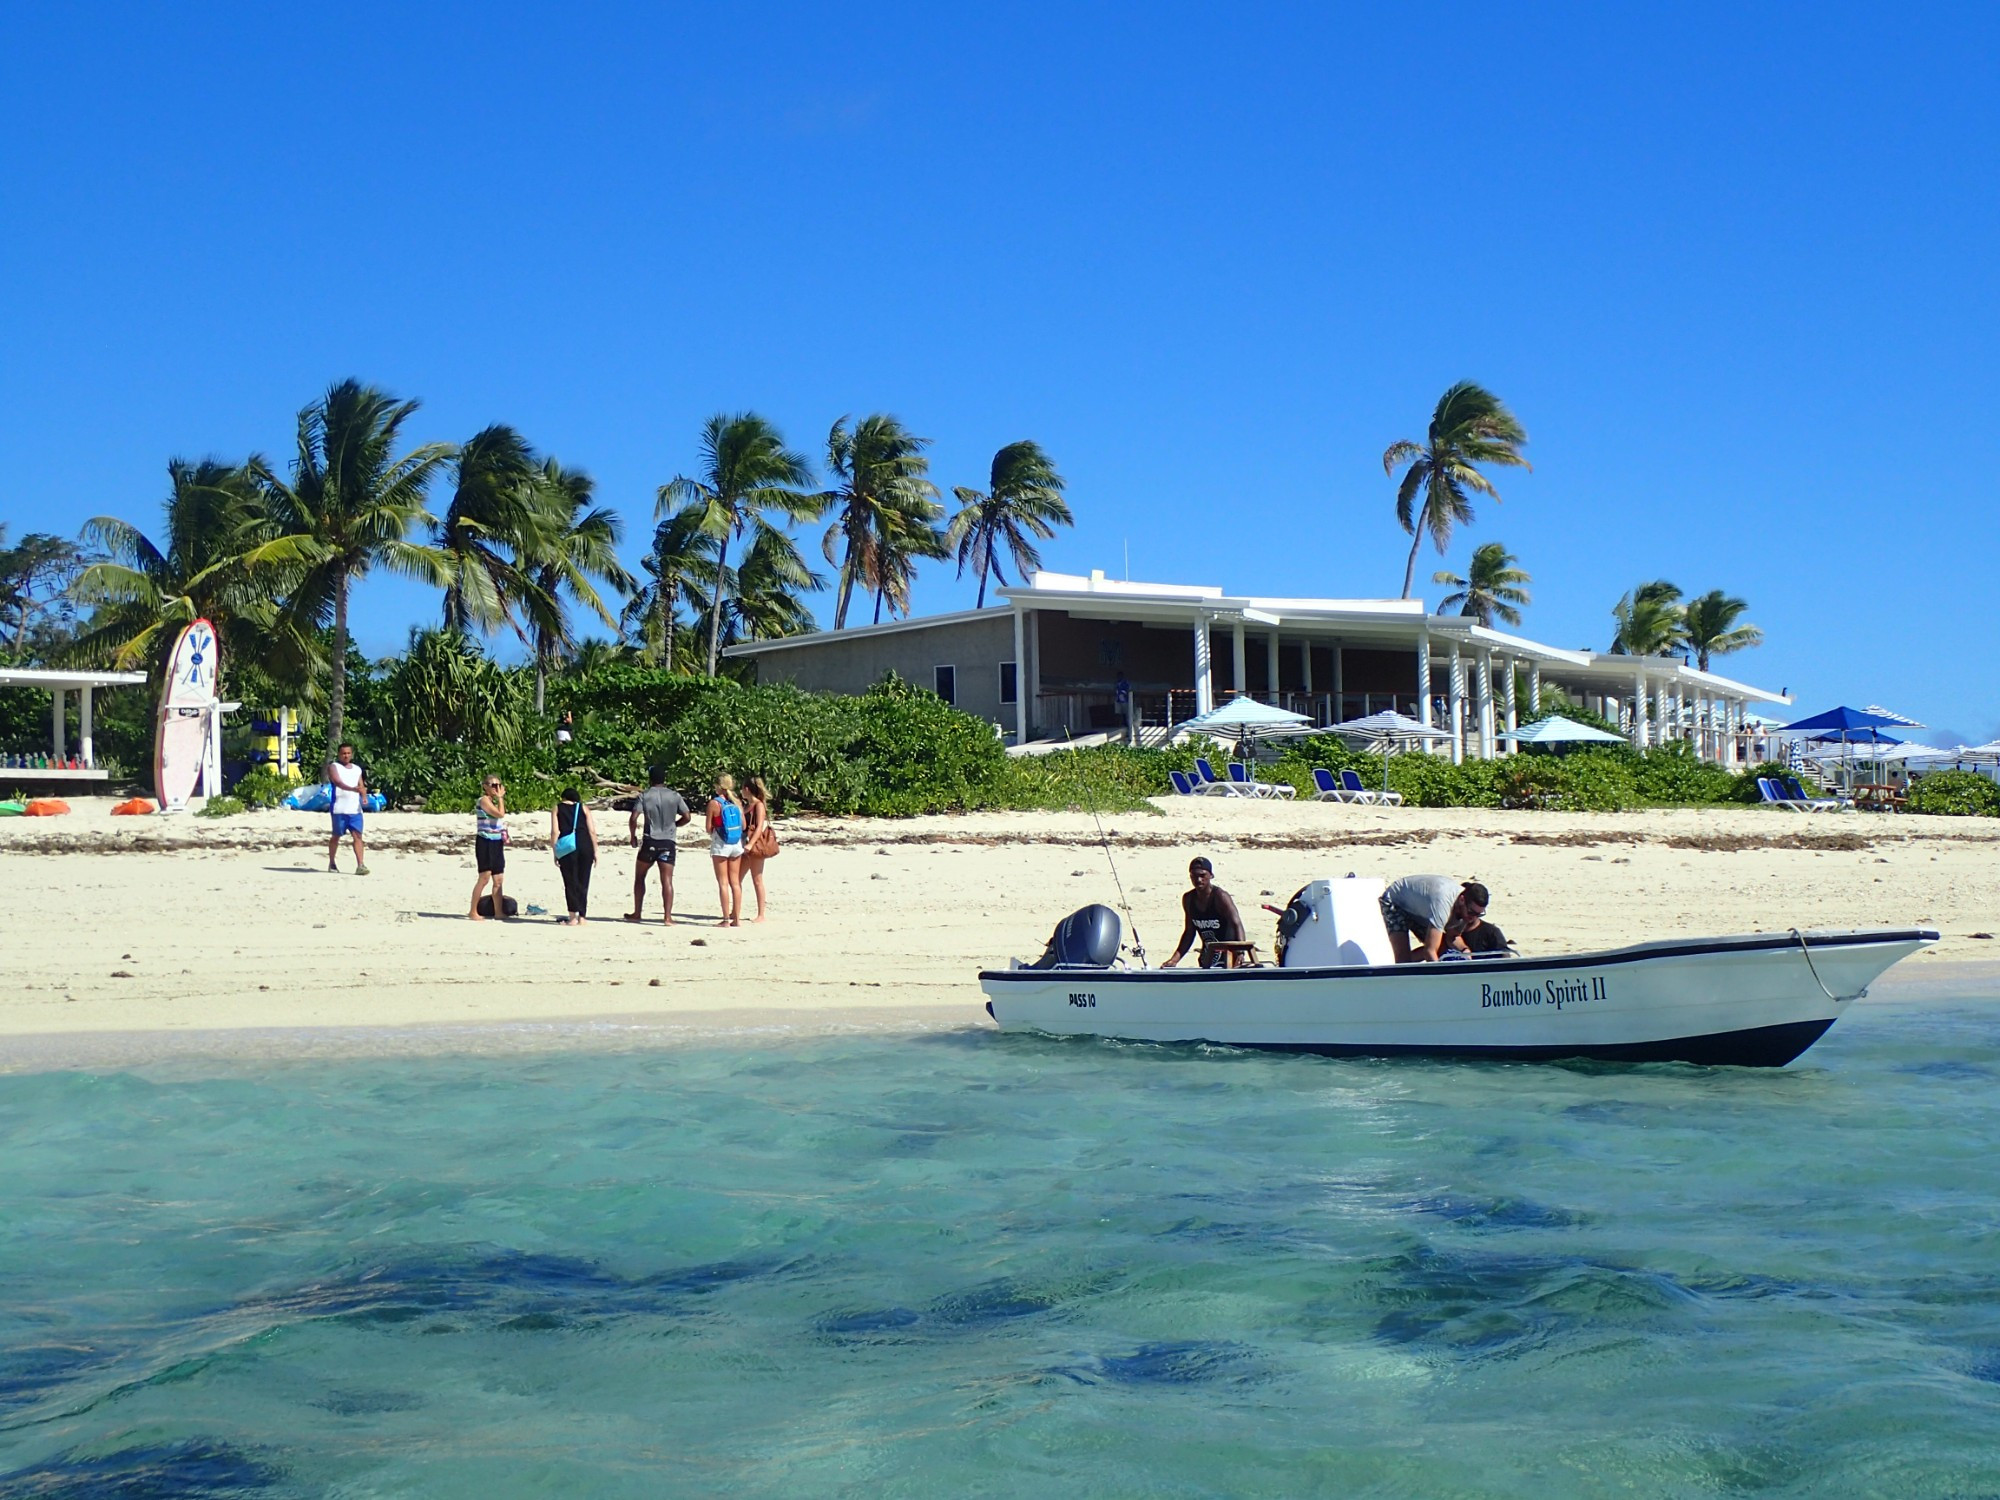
1427 913
661 810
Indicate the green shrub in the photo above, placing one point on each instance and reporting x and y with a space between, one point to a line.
1104 778
221 807
923 755
261 786
1955 794
1674 775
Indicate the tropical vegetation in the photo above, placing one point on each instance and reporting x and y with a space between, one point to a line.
885 512
1709 624
1023 500
1492 588
1470 426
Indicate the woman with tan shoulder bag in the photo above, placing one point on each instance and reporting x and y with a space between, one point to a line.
760 839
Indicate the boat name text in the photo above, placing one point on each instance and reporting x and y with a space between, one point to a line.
1555 992
1083 1001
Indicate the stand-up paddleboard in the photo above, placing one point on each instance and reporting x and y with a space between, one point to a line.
186 707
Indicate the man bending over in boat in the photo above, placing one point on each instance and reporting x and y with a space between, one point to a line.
1207 913
1426 914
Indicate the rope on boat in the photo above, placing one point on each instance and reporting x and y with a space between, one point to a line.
1836 999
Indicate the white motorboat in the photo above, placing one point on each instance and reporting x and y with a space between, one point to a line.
1753 1001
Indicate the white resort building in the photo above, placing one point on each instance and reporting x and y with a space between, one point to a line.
1050 659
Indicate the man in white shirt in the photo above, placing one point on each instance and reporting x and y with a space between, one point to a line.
350 787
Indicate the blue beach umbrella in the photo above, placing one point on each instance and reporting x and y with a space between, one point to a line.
1847 725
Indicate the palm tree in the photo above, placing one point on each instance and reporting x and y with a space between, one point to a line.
1491 588
768 585
883 485
1650 621
903 537
1024 497
141 592
1710 628
575 544
746 470
351 504
495 516
1470 426
680 551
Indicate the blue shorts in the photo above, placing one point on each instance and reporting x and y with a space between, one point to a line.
346 823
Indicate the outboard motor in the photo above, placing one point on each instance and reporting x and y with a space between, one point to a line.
1083 939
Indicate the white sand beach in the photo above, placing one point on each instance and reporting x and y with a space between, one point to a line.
155 925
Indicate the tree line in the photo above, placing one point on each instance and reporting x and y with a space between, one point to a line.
523 545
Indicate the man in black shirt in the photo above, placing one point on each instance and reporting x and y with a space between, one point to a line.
1207 912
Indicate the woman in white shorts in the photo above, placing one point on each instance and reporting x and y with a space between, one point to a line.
725 847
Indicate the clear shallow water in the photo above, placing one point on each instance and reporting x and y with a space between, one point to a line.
971 1264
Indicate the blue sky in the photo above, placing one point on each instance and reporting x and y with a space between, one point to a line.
1732 266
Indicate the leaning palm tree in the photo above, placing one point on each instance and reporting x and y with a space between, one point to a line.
495 516
904 535
1023 498
680 554
746 470
1470 426
769 588
1491 588
141 592
351 504
572 550
880 471
1710 629
1650 621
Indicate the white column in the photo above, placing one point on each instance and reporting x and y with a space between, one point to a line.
1662 725
1031 683
1457 724
1271 674
1423 678
1513 703
56 724
1485 699
1204 670
1535 691
1675 703
87 749
1021 677
1641 728
1238 659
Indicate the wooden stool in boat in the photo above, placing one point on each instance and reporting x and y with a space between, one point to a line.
1234 955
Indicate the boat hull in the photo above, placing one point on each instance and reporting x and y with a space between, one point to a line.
1751 1001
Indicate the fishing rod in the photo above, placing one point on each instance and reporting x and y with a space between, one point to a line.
1090 801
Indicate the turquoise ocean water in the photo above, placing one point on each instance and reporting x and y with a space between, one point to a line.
959 1263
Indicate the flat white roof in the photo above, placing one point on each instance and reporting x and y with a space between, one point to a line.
863 632
43 677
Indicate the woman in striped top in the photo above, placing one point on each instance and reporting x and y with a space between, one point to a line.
489 846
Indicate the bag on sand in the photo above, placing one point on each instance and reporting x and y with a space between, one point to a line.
509 907
46 807
133 807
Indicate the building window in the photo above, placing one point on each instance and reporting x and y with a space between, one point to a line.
947 684
1009 693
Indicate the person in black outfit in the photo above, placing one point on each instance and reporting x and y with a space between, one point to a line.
1209 913
568 817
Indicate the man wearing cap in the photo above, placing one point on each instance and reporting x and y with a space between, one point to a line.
1208 913
1426 914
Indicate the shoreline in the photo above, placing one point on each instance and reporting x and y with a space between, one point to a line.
184 928
1965 982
